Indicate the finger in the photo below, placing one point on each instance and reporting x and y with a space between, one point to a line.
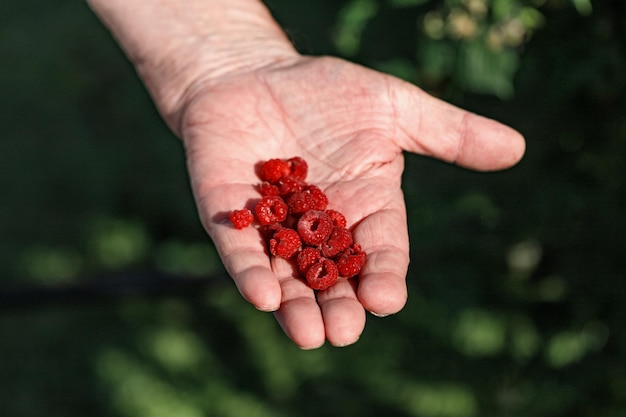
432 127
302 322
242 251
299 314
249 266
382 283
343 314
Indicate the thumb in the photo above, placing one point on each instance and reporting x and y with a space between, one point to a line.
438 129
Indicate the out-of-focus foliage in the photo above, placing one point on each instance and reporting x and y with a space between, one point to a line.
471 45
517 281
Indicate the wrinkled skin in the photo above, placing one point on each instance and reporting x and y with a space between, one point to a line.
351 125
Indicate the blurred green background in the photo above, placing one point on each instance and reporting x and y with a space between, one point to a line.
113 302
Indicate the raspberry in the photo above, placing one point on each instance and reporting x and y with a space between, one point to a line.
351 261
310 198
307 257
273 170
322 274
285 243
266 189
300 202
289 185
241 218
296 224
320 201
271 209
339 240
338 219
315 227
298 168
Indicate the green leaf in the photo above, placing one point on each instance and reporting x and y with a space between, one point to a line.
352 21
583 6
486 71
437 59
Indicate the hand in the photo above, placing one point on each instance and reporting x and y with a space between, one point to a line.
352 125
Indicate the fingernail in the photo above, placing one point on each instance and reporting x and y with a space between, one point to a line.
340 345
267 309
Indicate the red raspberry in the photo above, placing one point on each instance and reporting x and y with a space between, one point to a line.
298 168
241 218
300 202
273 170
310 198
339 220
339 240
271 209
294 214
320 201
285 243
351 261
322 274
315 227
307 257
266 189
289 185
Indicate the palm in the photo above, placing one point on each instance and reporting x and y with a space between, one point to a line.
351 125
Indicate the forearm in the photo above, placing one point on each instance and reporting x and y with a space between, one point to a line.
179 45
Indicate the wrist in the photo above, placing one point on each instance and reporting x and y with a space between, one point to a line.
179 46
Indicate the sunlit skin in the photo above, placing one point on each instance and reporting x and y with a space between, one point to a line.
352 125
232 87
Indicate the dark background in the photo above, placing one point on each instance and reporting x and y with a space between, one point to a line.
113 301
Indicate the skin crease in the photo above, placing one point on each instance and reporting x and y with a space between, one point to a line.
235 102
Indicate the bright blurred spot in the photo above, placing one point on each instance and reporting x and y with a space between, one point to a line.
568 347
479 333
139 388
351 22
176 349
51 265
138 391
583 7
524 257
434 25
118 243
195 259
461 24
440 401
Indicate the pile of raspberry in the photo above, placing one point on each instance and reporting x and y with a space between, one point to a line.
294 218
